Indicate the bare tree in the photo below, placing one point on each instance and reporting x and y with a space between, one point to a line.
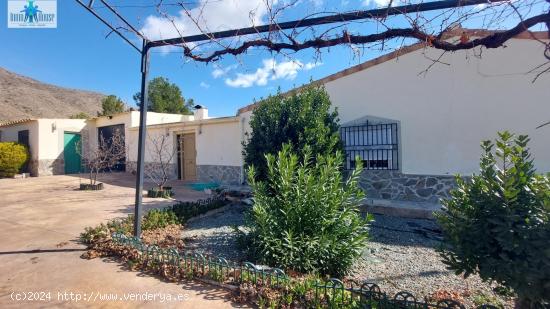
162 154
107 154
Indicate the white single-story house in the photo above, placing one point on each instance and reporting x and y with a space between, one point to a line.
210 143
414 123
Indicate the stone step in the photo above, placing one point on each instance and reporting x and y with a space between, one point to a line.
397 208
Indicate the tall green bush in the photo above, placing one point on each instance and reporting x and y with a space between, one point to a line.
305 217
498 224
301 119
13 157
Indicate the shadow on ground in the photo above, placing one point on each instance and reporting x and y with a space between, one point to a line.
128 180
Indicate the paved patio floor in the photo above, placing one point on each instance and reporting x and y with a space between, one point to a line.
40 221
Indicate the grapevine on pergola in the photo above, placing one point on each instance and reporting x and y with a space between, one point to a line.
396 26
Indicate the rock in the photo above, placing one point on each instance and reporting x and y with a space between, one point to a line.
430 182
380 184
425 192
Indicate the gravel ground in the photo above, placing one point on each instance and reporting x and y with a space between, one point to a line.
400 256
213 234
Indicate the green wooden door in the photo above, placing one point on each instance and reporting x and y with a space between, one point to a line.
71 157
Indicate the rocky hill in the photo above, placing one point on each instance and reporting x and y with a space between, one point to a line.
23 97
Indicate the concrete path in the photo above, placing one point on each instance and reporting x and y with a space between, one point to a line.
40 262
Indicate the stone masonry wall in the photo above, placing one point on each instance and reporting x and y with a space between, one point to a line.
394 185
131 167
222 174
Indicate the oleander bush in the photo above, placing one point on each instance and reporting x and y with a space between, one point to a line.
305 216
498 224
13 157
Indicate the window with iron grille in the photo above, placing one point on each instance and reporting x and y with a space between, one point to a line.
374 144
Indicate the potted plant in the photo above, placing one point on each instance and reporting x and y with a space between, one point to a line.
158 170
107 154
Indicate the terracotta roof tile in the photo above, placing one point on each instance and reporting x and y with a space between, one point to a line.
14 122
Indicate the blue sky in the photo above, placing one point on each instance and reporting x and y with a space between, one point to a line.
77 55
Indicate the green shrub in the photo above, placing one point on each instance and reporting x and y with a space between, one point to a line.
301 119
13 157
121 225
154 219
158 218
94 234
497 224
304 217
186 210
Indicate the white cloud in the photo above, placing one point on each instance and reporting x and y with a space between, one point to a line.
482 6
204 85
221 71
270 70
216 16
218 73
311 65
380 3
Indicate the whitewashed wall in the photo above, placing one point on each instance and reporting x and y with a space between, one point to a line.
10 134
131 123
219 144
153 133
216 143
51 141
445 113
46 139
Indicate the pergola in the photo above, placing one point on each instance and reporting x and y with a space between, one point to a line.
147 45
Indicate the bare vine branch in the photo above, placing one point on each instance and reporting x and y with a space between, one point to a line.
494 40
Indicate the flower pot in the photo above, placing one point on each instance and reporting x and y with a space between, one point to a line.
166 192
87 186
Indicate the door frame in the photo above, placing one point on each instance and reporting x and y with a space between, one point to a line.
79 156
181 153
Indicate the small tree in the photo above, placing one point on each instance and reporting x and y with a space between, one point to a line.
304 217
498 224
161 154
301 119
107 154
111 105
165 97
